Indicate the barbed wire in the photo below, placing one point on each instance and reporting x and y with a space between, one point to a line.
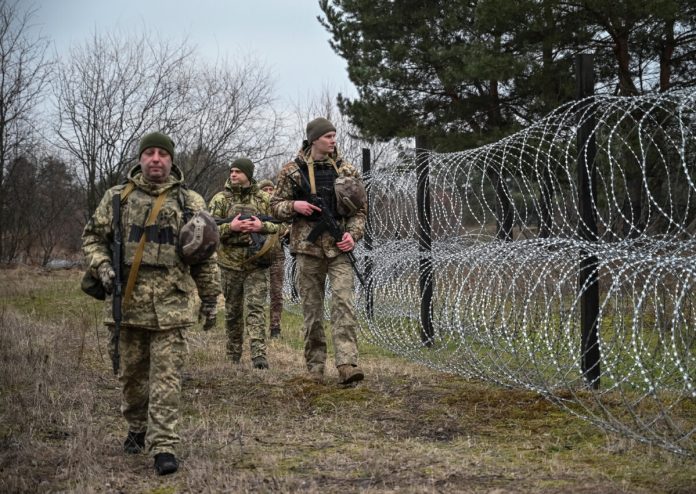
509 246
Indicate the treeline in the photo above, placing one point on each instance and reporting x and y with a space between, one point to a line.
466 72
69 125
458 73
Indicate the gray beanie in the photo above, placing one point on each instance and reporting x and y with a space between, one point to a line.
317 128
265 183
245 165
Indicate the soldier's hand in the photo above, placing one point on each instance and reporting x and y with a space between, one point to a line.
252 225
208 314
347 243
106 275
304 208
236 223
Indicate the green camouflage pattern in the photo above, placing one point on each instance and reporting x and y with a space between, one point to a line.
234 246
284 196
245 289
313 272
162 298
151 364
276 273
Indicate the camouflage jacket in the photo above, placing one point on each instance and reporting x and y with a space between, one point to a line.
162 298
286 192
234 247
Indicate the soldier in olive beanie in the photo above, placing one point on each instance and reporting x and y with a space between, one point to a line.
265 183
245 165
317 128
156 140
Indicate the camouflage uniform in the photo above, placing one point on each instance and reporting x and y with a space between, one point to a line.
318 260
152 340
276 273
244 283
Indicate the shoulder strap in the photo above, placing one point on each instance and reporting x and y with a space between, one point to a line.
310 172
141 247
271 241
126 190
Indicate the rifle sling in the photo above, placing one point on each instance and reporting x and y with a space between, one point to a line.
271 241
310 172
141 247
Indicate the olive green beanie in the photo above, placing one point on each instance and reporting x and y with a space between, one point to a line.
156 140
245 165
317 128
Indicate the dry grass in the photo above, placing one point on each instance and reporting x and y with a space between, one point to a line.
405 429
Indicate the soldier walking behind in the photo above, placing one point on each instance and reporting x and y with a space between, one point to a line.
313 174
244 256
276 272
159 302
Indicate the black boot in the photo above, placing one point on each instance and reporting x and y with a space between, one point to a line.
275 332
260 362
134 443
165 463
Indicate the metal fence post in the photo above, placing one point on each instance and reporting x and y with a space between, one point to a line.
367 178
587 192
425 267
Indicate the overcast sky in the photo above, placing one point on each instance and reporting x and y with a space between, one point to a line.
283 34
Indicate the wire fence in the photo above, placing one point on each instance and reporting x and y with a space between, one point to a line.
509 253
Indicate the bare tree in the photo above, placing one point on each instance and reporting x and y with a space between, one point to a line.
350 141
24 72
112 90
229 113
108 93
56 214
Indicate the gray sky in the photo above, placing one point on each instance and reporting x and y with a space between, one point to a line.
283 34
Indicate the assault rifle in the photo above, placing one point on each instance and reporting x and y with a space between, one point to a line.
247 216
117 295
327 223
257 239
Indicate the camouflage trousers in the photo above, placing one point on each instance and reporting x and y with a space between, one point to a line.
150 376
245 290
313 272
276 274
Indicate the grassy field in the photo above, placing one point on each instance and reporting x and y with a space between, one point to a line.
404 429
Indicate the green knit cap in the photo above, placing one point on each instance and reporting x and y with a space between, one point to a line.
156 140
265 183
317 128
245 165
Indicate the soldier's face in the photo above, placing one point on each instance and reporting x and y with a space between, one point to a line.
268 189
325 145
156 164
238 177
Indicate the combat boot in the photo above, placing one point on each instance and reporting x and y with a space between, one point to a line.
234 357
348 373
260 362
134 443
316 374
165 463
275 332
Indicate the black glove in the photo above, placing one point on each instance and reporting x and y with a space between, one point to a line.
208 313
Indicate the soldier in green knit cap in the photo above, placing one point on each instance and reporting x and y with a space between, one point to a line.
315 172
244 256
159 302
